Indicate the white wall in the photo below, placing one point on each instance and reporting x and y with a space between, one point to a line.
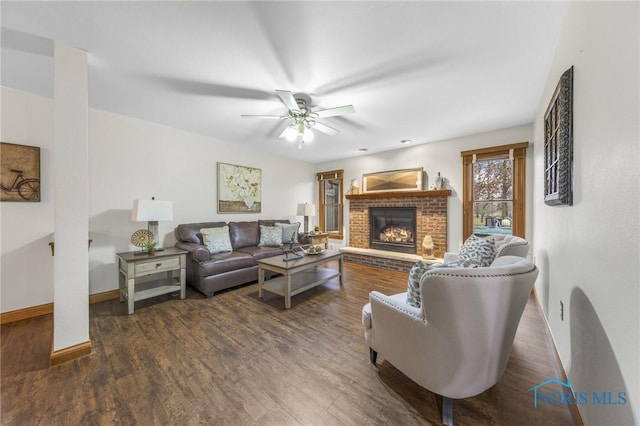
128 159
588 253
444 157
27 228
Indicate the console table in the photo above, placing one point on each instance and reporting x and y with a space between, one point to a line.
133 265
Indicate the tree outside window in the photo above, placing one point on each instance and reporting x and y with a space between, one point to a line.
494 190
493 197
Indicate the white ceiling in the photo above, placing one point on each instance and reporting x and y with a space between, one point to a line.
423 71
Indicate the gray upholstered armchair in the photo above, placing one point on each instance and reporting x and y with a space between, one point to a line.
506 245
457 343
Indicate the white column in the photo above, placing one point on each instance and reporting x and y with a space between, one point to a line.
71 198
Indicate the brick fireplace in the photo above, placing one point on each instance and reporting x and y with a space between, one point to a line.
431 219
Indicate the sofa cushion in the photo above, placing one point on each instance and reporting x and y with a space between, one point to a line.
216 239
270 236
243 234
289 230
261 252
225 262
190 232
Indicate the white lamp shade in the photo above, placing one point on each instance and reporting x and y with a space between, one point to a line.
306 209
151 210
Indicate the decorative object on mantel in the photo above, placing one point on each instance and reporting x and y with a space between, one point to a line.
427 247
306 210
20 172
558 144
239 189
152 211
393 180
438 183
355 187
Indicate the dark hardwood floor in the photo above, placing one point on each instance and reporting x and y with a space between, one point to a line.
238 360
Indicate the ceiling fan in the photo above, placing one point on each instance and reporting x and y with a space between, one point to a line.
302 118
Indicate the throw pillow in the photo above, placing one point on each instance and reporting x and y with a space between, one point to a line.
270 236
420 268
289 230
217 240
413 285
478 251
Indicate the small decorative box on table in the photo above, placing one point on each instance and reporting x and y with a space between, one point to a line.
132 265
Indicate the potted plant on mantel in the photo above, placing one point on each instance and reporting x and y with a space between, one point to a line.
151 248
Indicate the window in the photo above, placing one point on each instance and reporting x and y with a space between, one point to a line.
558 144
494 190
330 202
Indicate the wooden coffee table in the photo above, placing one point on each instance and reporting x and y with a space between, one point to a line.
297 275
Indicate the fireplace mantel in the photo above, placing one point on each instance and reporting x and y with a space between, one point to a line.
431 219
400 194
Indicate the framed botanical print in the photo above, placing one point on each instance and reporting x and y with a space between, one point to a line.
239 189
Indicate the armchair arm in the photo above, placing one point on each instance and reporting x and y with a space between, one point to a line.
397 303
398 332
198 251
394 324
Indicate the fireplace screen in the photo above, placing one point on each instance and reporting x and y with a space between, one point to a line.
393 229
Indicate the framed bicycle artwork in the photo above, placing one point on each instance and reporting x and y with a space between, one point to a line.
19 172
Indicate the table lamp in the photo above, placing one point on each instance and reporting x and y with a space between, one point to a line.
152 211
306 210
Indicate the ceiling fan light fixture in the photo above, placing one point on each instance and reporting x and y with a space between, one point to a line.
291 134
303 119
307 135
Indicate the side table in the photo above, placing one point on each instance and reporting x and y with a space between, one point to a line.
318 238
133 265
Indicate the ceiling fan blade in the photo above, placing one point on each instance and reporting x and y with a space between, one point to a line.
284 132
325 129
269 117
289 100
331 112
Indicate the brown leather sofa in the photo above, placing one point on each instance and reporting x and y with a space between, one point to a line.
211 273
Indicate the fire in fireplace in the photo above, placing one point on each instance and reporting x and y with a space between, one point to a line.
393 229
